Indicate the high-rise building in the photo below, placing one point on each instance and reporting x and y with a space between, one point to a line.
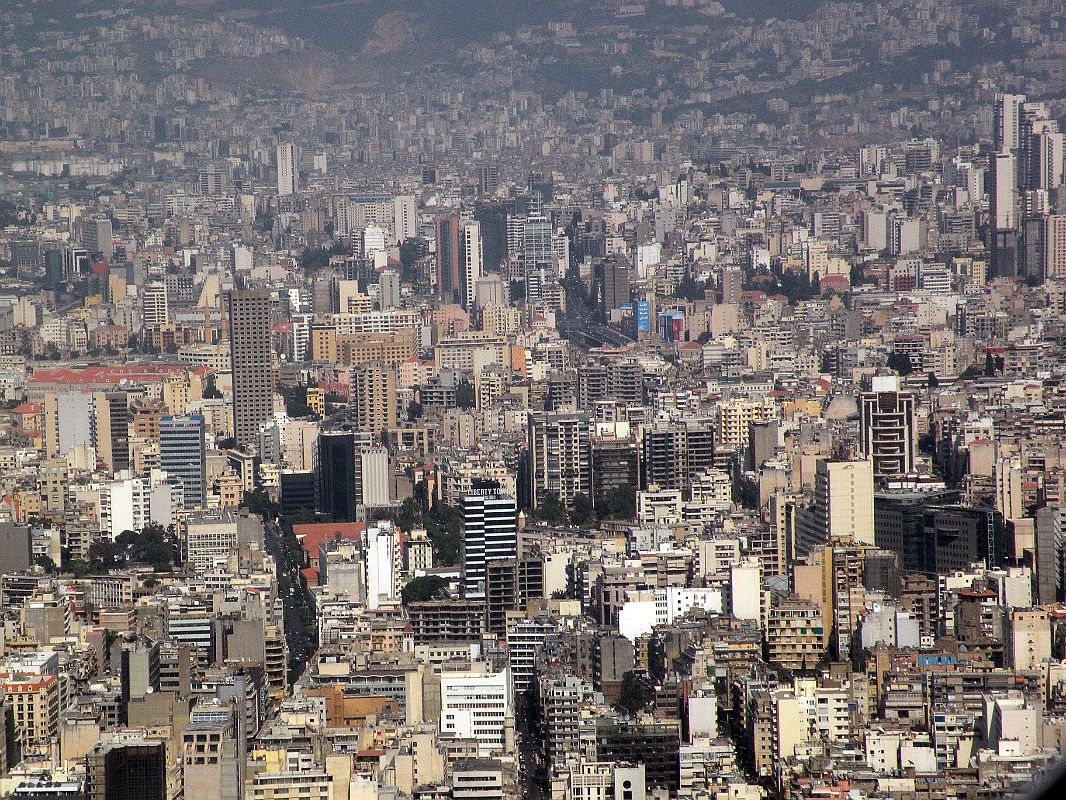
127 769
337 483
471 262
251 359
182 455
1055 247
373 393
843 507
110 429
560 451
476 704
613 275
212 764
447 229
155 307
97 235
405 218
288 170
888 433
490 533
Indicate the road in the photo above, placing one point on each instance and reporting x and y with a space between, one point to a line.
300 629
582 325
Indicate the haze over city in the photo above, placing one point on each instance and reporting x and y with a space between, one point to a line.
611 400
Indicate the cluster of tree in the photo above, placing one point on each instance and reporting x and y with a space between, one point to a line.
428 587
618 503
318 257
442 524
636 693
296 401
9 215
153 545
691 289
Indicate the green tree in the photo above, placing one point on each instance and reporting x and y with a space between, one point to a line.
428 587
296 401
900 362
464 394
443 525
620 502
635 693
582 513
210 391
258 502
550 510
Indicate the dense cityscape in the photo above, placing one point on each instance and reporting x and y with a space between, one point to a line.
615 400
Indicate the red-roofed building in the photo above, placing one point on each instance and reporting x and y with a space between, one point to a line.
312 534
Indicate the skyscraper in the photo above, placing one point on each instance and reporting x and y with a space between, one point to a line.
843 507
1055 246
154 304
490 533
252 363
888 429
560 452
288 170
127 770
336 479
373 392
471 262
110 429
183 457
447 229
614 280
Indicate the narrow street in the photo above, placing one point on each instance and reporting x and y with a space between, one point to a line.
300 629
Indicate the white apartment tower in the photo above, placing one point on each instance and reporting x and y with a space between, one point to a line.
288 170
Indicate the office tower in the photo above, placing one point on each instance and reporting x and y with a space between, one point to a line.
183 457
471 262
404 218
373 393
110 429
476 705
98 237
155 307
1055 247
75 262
1047 149
379 558
614 280
888 433
212 765
288 170
1004 187
954 537
26 257
251 360
373 240
560 456
337 481
447 228
389 289
843 507
490 533
488 179
126 769
535 246
1007 120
